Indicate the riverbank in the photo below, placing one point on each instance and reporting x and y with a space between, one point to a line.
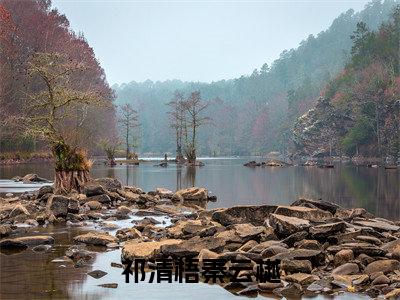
323 248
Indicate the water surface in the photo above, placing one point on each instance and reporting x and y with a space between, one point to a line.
375 189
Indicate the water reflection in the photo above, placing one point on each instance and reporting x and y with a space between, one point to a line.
377 190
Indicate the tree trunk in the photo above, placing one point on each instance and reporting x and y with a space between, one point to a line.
68 181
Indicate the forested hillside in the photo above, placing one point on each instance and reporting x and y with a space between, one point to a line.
31 29
359 111
255 113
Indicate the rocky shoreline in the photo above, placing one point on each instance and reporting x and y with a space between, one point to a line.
322 247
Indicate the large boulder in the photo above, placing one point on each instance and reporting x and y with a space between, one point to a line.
57 205
325 230
109 184
103 198
310 214
33 178
285 226
93 189
191 194
378 225
385 266
146 250
26 241
96 238
326 206
254 214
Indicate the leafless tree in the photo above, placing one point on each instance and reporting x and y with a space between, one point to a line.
178 121
128 120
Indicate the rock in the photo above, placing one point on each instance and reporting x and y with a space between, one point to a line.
254 214
128 234
47 189
77 252
33 178
248 231
103 198
249 291
26 241
308 244
9 195
296 266
349 214
146 199
252 164
295 237
145 250
123 210
291 290
302 278
57 205
248 245
359 248
369 239
109 184
41 248
322 285
264 245
316 257
5 230
109 285
378 225
93 205
97 274
273 250
343 256
164 193
346 269
395 294
306 213
91 189
323 205
285 226
95 238
206 254
189 194
18 209
269 286
73 206
325 230
382 279
128 195
193 246
386 266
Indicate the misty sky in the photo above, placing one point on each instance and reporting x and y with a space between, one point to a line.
195 40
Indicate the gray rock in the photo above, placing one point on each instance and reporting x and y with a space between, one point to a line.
254 214
285 225
346 269
97 274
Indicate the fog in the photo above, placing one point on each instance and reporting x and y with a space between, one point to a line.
195 40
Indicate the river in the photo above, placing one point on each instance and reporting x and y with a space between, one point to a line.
30 275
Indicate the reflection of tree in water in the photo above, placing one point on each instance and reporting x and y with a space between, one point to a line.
111 172
376 190
190 176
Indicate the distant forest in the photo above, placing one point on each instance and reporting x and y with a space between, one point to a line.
256 113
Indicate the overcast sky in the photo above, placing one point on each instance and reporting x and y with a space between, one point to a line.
195 40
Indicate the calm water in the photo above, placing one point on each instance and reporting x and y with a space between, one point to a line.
30 275
377 190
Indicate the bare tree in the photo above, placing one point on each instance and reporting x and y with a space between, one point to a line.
178 122
128 120
55 103
194 107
